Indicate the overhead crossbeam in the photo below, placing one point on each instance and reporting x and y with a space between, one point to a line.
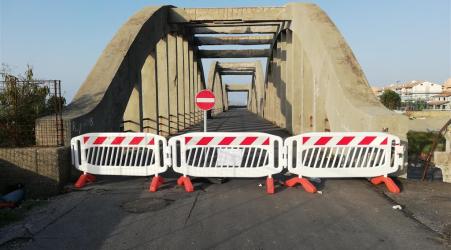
236 68
236 65
250 53
231 23
233 40
186 15
235 30
236 73
235 87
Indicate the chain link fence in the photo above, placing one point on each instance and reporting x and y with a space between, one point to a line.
22 102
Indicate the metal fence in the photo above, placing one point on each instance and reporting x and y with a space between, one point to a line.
22 102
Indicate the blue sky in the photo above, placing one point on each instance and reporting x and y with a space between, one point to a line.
394 40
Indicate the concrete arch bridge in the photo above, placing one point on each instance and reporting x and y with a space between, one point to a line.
147 76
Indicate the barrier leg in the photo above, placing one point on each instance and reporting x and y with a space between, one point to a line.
185 181
270 185
180 180
389 183
156 182
306 184
83 179
188 185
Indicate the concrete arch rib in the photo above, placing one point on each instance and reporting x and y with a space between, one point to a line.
330 88
100 102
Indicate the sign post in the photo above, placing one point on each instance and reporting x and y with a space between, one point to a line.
205 100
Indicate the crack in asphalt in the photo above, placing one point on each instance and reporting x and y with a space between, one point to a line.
60 216
192 208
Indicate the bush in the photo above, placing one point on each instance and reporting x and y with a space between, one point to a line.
420 143
22 101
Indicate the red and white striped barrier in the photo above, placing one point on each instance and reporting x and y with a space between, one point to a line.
133 154
343 154
226 154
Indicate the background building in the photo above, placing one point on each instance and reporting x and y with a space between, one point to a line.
440 102
443 100
420 94
414 90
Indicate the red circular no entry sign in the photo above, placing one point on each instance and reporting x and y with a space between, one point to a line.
205 99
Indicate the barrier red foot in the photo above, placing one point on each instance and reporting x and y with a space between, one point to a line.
185 181
83 179
156 182
180 181
389 183
270 185
306 184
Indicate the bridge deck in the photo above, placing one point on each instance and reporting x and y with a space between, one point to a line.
239 120
350 214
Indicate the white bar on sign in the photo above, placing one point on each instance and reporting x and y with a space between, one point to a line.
209 100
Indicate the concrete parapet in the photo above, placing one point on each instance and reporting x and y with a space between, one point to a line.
43 171
46 132
443 159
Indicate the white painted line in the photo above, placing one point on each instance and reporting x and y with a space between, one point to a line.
209 100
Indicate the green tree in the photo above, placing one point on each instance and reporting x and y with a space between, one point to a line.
390 99
22 101
53 102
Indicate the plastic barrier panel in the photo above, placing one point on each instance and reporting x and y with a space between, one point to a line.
343 154
131 154
224 154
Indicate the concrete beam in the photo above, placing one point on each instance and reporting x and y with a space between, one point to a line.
186 83
250 53
180 83
234 40
172 82
235 87
237 73
185 15
149 94
235 30
236 66
163 86
217 23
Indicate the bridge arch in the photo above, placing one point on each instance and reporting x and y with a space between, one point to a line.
147 76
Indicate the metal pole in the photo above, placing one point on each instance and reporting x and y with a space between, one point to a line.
205 121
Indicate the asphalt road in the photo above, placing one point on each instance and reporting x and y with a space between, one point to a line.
120 214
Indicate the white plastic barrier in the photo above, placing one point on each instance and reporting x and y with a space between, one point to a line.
135 154
343 154
227 154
